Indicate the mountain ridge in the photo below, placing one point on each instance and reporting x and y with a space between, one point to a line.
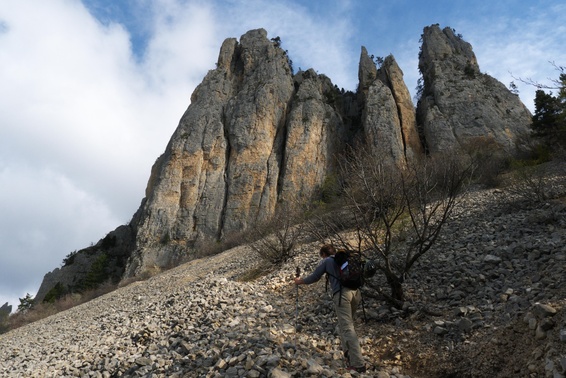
255 134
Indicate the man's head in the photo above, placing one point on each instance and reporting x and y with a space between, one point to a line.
327 250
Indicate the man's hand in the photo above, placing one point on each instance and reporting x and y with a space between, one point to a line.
298 281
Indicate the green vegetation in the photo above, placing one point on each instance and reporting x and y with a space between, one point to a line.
329 190
55 293
70 258
277 43
97 274
470 71
25 303
549 120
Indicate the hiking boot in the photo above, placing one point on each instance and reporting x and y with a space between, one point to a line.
357 369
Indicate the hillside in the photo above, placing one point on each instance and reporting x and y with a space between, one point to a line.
256 134
488 301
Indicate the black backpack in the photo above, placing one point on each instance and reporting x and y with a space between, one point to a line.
351 268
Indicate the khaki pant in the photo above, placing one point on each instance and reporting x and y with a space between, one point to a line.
345 303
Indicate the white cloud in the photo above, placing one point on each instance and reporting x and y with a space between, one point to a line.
509 47
183 47
44 217
82 122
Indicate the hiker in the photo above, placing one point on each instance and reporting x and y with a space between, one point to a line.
345 304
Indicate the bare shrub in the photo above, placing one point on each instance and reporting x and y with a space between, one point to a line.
487 159
394 214
149 272
275 241
530 183
256 272
211 247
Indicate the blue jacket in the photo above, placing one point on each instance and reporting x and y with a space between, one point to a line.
326 266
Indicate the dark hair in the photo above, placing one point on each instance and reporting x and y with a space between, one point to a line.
327 250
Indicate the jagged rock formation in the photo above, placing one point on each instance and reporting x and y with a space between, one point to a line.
388 116
255 134
252 136
459 104
315 134
5 310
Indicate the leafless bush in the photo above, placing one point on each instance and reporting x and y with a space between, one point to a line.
394 213
487 159
530 183
276 240
211 247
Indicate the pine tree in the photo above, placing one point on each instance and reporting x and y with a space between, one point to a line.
25 303
549 119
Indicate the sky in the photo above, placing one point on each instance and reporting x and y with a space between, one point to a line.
91 92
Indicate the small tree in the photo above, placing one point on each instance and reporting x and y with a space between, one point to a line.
394 214
26 303
549 120
276 240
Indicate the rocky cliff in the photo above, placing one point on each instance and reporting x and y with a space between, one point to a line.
256 134
253 135
459 103
388 115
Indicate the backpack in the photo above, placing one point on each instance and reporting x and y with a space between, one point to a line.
351 268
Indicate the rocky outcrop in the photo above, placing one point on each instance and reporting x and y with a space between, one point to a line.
255 135
388 117
459 104
392 76
5 310
315 135
89 267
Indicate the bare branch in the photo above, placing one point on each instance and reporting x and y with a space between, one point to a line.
557 84
394 213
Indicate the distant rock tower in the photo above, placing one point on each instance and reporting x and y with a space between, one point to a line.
459 103
255 134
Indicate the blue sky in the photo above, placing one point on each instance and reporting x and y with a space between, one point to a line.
91 91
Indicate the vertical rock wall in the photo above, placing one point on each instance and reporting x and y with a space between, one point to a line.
460 104
388 115
255 134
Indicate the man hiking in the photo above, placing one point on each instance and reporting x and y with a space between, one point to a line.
345 304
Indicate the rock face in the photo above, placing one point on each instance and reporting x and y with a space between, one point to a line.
315 134
5 310
255 135
240 147
459 104
388 116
